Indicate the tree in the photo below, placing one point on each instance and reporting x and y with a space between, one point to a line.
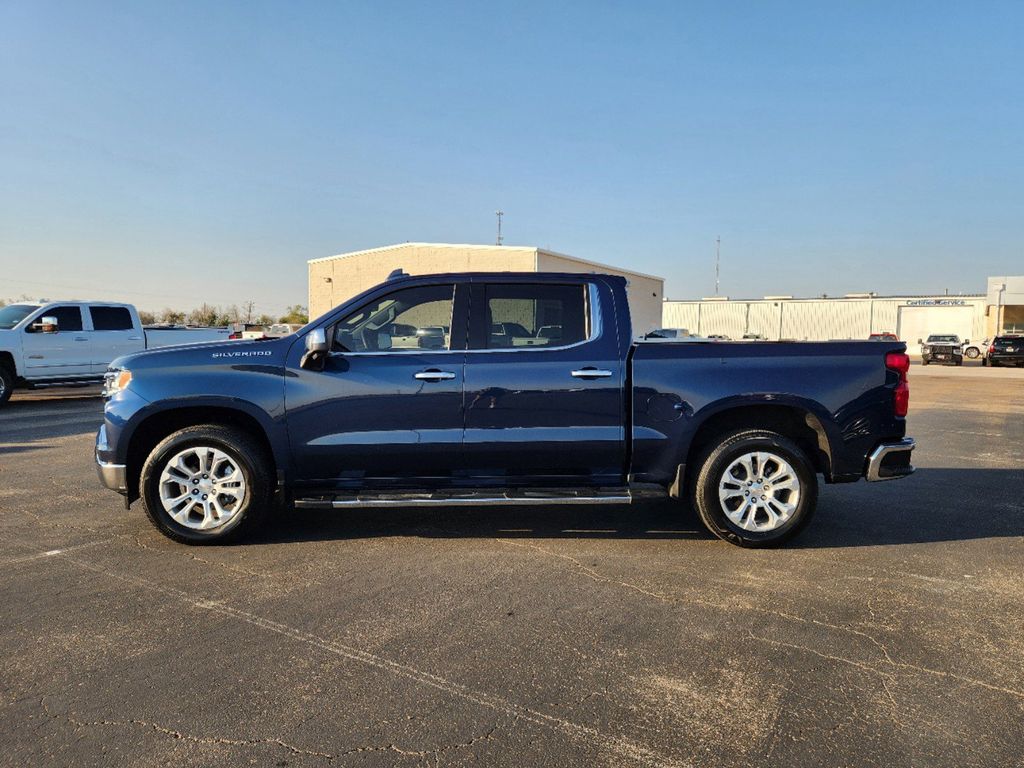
264 320
204 315
295 314
147 318
172 316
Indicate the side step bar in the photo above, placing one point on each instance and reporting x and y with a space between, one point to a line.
478 498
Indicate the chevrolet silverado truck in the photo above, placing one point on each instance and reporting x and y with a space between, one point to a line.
568 409
72 342
942 348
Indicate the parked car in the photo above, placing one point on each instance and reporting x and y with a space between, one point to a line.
754 337
974 351
277 330
668 333
884 336
942 348
248 332
208 440
1005 350
73 342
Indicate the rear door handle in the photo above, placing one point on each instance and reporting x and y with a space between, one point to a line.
591 373
81 338
434 375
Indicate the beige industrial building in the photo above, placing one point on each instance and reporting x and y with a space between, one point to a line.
333 279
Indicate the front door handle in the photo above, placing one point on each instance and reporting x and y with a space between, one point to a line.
591 373
81 338
434 375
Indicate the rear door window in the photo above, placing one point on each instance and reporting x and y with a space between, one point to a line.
538 315
111 318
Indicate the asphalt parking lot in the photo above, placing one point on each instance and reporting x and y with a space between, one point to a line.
891 633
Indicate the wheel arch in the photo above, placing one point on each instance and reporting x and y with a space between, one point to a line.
791 417
157 425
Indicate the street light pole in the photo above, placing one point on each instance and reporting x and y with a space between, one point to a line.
499 214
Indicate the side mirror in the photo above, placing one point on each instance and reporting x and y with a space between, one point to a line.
47 324
967 341
317 347
920 342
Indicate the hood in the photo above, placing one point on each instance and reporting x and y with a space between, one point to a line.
207 353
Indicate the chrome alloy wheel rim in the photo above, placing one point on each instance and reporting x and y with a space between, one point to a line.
202 488
759 491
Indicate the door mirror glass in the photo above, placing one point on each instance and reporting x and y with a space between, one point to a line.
316 350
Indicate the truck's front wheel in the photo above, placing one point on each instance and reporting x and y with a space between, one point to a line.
206 484
756 488
6 383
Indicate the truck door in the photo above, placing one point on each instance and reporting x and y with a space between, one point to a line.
113 334
544 386
386 410
64 354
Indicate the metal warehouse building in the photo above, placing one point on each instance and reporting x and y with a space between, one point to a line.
856 316
334 279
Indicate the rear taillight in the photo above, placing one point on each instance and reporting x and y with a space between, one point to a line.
900 362
992 349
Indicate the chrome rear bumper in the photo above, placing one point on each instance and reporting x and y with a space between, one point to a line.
890 461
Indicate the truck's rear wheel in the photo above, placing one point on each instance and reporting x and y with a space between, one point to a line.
6 383
206 484
756 488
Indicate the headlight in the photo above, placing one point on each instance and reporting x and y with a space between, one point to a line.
115 380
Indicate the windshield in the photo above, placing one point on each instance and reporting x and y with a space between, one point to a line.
13 314
952 339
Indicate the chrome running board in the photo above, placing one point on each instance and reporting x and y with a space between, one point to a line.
474 498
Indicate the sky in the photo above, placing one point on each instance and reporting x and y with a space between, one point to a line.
171 154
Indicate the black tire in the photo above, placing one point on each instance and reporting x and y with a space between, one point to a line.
984 362
994 363
959 361
924 361
716 460
247 454
6 383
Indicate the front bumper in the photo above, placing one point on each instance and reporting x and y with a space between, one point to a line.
890 461
112 476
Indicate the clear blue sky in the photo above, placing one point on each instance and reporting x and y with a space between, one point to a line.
174 153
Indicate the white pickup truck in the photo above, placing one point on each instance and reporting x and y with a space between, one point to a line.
73 342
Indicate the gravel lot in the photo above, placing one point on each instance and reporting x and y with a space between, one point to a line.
891 633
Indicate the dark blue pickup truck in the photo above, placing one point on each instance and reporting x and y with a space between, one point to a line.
493 389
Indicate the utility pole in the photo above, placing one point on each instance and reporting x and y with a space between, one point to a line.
499 214
718 253
249 305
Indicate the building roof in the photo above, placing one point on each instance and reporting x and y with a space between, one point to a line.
527 248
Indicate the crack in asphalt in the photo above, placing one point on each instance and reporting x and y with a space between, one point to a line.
596 576
271 740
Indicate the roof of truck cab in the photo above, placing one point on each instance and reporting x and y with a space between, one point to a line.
74 303
515 276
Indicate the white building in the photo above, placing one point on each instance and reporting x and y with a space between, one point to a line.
854 316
